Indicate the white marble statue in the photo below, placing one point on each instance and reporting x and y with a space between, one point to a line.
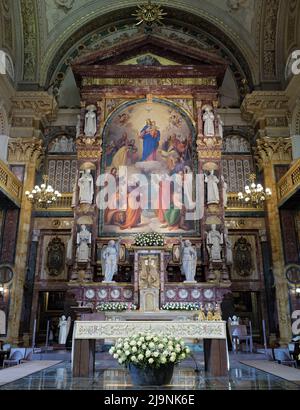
55 146
220 125
188 261
214 240
64 328
86 187
225 189
212 181
229 256
110 256
78 126
208 119
228 145
90 126
63 144
84 239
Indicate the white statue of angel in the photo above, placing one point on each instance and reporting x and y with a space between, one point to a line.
188 261
109 258
64 328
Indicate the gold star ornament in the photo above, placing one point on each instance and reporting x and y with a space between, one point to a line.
149 13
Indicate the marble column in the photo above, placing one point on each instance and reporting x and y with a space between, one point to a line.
29 153
295 147
270 151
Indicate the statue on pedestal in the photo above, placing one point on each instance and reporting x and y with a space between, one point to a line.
220 125
64 328
214 241
212 181
208 119
110 257
84 239
90 127
86 187
229 256
225 188
188 261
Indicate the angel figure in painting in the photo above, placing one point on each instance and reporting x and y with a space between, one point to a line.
110 256
188 261
64 328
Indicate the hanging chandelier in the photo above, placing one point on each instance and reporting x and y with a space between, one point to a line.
44 195
254 193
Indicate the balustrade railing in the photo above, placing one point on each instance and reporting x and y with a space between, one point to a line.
9 184
289 183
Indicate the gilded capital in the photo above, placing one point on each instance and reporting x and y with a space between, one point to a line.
25 150
273 150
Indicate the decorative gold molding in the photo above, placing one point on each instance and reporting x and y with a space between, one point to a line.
138 82
26 150
235 205
37 104
274 150
64 203
260 104
289 183
10 184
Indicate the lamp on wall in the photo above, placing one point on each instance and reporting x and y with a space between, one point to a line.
43 195
254 193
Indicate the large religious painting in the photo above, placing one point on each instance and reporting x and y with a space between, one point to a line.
153 141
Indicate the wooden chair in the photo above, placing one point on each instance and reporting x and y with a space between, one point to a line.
239 332
15 358
282 356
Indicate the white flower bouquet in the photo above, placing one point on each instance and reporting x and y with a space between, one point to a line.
149 239
115 306
144 350
181 306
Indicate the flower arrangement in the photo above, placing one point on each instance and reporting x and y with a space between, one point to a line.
181 306
115 306
144 350
149 239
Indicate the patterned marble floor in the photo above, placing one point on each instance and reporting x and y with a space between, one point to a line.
110 376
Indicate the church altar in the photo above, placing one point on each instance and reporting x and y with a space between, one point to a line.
213 333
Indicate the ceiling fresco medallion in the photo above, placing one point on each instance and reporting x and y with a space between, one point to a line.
149 13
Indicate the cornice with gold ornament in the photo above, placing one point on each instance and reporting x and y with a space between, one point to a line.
88 147
273 150
260 104
36 104
26 150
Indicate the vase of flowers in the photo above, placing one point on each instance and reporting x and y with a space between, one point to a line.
150 358
149 239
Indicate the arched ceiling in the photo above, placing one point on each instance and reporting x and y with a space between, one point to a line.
254 35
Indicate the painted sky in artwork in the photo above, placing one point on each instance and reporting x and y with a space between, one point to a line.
148 138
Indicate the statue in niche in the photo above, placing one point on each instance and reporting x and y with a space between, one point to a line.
84 239
220 125
86 187
63 144
188 261
212 188
64 328
242 257
55 257
229 256
208 119
90 126
214 240
109 257
244 145
224 188
228 145
149 272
